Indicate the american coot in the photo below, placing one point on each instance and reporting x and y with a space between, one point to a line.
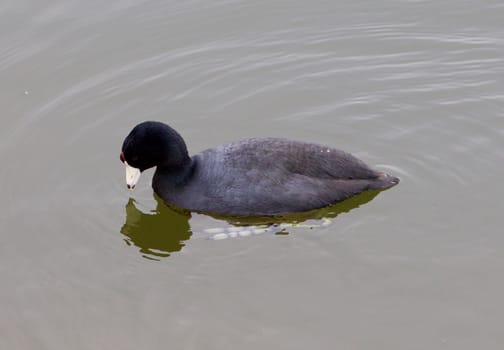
258 176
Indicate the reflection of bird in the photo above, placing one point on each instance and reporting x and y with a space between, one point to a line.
250 177
165 230
157 234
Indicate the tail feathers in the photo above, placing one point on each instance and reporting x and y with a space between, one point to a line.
384 181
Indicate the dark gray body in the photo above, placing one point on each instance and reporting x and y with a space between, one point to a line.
267 177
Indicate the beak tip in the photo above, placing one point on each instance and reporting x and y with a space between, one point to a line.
132 176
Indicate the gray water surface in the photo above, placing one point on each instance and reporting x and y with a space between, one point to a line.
414 88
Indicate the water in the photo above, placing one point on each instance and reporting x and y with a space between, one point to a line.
413 87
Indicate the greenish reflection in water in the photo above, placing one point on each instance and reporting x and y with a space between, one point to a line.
157 234
166 229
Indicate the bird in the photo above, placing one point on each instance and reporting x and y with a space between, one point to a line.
250 177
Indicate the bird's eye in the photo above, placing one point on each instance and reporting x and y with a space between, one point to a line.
121 157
